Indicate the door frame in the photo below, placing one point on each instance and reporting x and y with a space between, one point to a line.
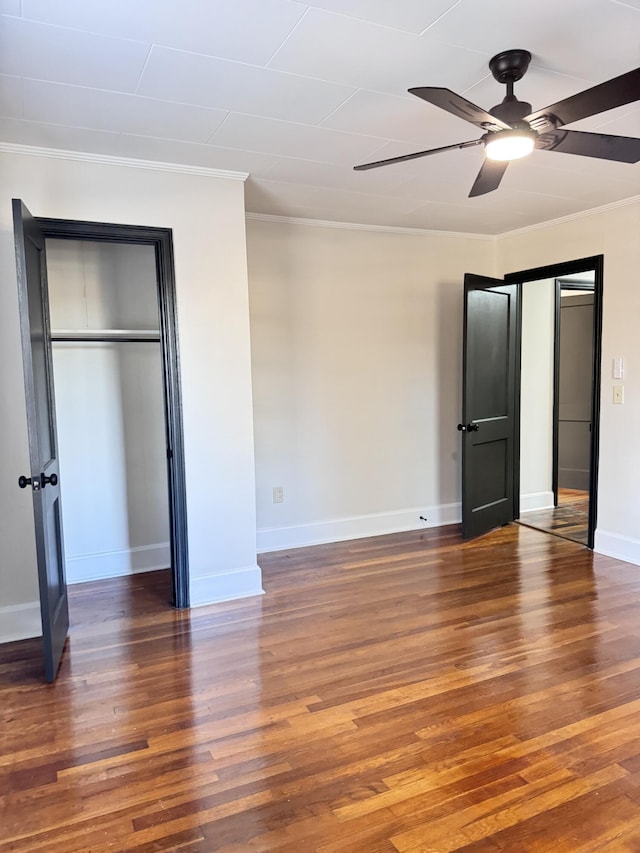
162 241
554 271
560 285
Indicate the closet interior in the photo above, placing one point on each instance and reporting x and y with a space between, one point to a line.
110 413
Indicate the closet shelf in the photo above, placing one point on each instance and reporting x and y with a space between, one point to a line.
105 335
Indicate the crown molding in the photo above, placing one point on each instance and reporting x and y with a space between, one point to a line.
425 232
571 217
361 226
128 162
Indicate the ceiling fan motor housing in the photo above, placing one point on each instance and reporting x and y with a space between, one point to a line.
512 111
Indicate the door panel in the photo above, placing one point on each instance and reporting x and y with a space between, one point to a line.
490 488
575 391
44 475
574 455
487 345
489 341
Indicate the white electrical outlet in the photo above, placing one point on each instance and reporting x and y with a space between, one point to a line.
278 494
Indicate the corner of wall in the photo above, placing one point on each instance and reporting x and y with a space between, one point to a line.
225 586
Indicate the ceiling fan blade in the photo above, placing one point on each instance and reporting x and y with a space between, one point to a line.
489 177
415 156
459 106
622 90
624 149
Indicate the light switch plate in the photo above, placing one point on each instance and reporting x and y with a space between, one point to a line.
618 393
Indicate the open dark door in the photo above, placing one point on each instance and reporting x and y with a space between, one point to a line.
43 478
488 403
574 383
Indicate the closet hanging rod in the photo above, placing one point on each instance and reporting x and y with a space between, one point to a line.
106 335
67 339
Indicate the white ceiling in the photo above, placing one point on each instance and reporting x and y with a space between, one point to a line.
296 93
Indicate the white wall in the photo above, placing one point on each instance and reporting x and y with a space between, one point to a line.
615 234
96 285
536 396
356 345
206 213
113 476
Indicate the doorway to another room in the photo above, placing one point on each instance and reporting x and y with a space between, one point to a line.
559 402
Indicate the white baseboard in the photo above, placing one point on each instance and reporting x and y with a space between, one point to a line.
614 545
225 586
20 622
355 527
115 564
536 500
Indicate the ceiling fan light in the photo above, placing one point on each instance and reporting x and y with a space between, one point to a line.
509 145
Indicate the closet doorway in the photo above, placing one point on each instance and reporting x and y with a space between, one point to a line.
99 288
118 412
107 375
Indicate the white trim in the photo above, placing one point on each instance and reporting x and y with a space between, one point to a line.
225 586
116 564
571 217
361 226
355 527
615 545
129 162
20 622
536 500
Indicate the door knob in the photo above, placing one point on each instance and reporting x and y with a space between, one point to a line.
462 428
34 482
473 427
53 479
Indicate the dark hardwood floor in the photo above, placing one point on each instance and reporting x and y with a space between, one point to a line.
401 693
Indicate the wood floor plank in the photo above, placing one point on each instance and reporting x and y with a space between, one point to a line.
403 693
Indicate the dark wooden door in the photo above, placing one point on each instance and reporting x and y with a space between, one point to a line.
488 403
575 380
43 479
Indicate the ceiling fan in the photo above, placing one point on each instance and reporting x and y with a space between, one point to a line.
512 130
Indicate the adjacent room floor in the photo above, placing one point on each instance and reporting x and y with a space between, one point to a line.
569 519
401 693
